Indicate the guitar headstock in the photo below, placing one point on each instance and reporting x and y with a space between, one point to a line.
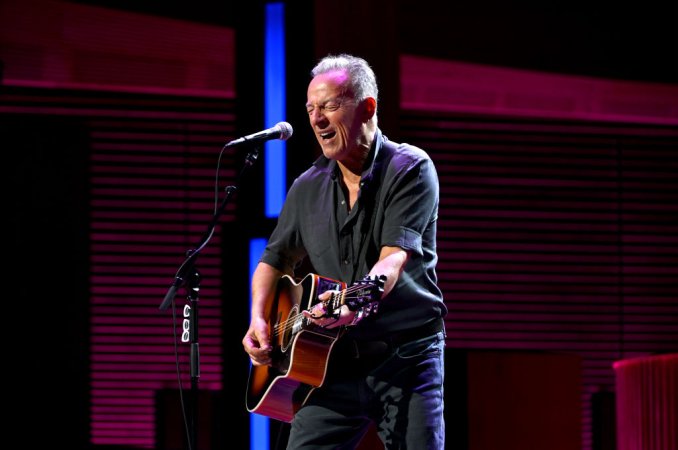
367 290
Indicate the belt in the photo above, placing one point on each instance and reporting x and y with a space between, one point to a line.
357 348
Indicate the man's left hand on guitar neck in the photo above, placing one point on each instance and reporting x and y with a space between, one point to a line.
319 314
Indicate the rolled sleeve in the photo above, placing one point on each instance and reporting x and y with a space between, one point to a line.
411 207
403 237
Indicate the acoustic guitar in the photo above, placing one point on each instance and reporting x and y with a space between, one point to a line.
300 349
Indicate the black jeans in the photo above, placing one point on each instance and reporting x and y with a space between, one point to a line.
400 391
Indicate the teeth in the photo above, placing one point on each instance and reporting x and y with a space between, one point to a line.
324 135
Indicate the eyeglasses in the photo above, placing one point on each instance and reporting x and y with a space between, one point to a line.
330 105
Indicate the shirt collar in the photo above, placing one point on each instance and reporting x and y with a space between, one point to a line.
330 167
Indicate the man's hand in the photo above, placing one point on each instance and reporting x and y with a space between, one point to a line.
257 342
315 315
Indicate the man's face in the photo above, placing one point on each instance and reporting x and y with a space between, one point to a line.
334 115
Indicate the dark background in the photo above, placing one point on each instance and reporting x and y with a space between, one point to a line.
605 39
634 41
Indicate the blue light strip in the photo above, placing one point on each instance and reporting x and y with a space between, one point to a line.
274 107
259 425
275 168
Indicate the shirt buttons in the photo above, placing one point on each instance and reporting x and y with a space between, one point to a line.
343 202
346 261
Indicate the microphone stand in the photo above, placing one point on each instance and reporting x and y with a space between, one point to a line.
188 275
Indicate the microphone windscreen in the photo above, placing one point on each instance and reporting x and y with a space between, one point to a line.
285 130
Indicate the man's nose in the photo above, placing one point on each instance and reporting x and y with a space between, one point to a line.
316 115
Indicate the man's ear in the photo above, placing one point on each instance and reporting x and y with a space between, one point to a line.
370 108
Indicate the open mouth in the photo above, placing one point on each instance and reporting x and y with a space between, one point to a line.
328 135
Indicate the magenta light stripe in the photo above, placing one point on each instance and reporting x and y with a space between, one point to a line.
158 204
121 402
129 239
212 315
133 311
108 341
136 280
132 320
110 434
209 372
111 271
117 411
148 443
142 180
211 359
135 330
150 216
147 353
161 260
132 249
450 86
140 192
178 92
122 419
135 291
112 393
131 270
165 377
142 136
157 144
107 113
124 171
119 153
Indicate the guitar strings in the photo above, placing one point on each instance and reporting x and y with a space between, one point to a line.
289 323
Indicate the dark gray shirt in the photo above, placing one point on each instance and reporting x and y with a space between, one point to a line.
397 206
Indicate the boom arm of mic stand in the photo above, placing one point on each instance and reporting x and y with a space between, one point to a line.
188 264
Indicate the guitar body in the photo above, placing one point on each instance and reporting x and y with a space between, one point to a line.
300 350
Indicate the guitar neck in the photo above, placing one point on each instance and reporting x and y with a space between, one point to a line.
362 293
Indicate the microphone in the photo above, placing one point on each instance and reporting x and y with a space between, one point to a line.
282 130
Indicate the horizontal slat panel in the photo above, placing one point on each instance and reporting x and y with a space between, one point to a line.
556 236
152 194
